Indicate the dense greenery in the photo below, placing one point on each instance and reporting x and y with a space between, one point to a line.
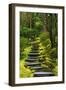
41 28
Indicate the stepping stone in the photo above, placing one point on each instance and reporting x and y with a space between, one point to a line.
33 64
42 74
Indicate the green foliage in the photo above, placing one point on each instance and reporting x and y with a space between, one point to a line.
56 41
36 32
55 70
23 31
45 40
41 49
44 36
38 25
26 32
53 53
36 28
24 54
25 72
24 42
48 55
47 43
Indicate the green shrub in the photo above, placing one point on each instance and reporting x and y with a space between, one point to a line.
24 42
26 32
47 43
38 25
24 54
44 36
23 31
54 53
25 72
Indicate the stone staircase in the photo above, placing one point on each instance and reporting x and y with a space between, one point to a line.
33 63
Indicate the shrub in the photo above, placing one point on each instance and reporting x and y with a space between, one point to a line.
47 43
24 54
24 42
25 72
44 36
23 31
38 25
26 32
53 53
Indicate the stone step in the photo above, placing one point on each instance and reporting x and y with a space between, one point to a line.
35 47
34 51
37 68
33 54
31 60
42 74
33 57
35 44
33 64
